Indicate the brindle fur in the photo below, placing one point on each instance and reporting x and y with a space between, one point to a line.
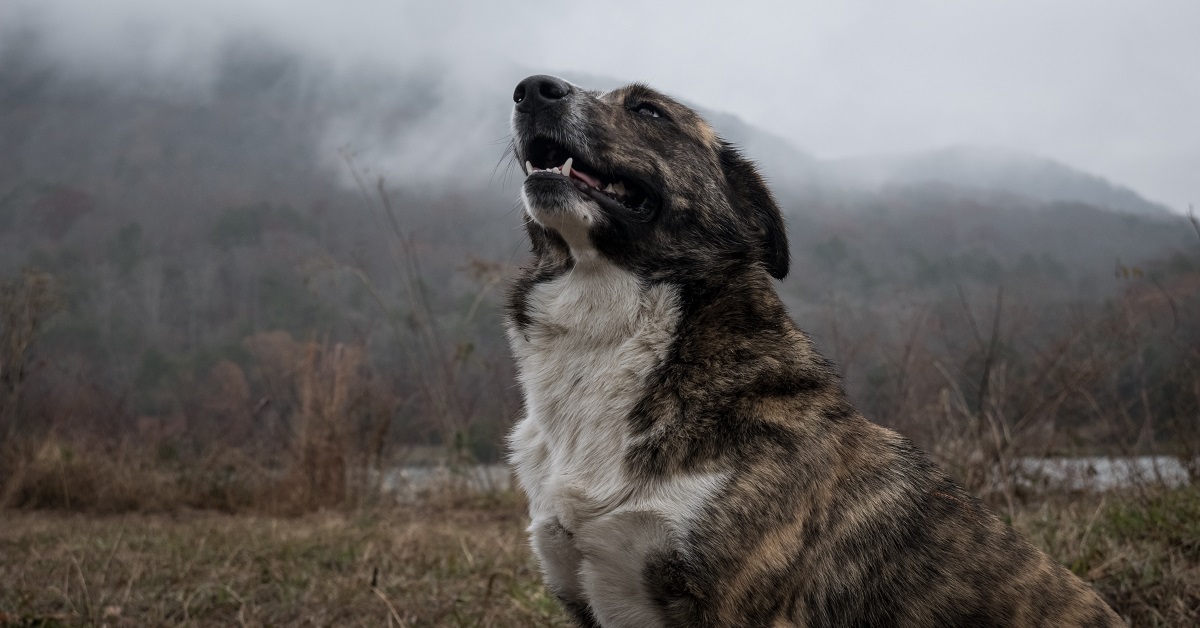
824 519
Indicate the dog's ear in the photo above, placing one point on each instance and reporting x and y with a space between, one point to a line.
750 196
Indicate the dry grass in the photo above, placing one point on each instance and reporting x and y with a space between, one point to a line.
465 562
1140 550
451 565
74 476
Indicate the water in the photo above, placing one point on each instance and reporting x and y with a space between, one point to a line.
1097 473
1089 473
411 481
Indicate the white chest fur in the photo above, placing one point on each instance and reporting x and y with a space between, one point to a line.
597 335
585 360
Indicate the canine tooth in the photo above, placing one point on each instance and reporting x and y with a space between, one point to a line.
528 167
566 167
619 187
609 188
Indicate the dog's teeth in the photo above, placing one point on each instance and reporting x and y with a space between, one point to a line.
566 167
619 188
528 168
609 188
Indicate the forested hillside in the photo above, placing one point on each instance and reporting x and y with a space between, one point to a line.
230 262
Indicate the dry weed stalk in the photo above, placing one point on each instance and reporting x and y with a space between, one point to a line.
438 348
330 391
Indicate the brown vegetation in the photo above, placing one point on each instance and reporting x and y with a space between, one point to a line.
441 565
463 561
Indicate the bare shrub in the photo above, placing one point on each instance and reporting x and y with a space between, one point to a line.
26 302
326 417
987 386
330 391
459 391
95 477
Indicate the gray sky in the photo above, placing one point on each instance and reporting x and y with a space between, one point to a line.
1107 86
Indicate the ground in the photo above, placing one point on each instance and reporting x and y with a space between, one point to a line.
464 563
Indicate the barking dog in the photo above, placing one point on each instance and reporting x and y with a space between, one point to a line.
690 460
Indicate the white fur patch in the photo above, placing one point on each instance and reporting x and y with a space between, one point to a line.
596 336
573 224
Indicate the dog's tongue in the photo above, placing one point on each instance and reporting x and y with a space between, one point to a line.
586 178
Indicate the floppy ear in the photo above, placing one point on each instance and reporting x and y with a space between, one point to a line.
750 196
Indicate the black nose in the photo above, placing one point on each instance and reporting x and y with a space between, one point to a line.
540 91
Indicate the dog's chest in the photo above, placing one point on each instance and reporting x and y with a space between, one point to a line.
583 363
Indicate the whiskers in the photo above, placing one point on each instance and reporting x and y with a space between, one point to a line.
526 220
509 155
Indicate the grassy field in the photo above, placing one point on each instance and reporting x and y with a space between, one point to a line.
460 565
464 563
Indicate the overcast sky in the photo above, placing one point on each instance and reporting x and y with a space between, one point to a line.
1107 86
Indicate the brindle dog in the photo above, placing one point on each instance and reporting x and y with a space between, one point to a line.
690 460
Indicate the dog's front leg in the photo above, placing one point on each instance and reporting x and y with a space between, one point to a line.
561 560
619 554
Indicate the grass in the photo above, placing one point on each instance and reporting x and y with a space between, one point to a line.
461 565
465 562
1140 550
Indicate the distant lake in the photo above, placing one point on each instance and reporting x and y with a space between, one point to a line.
410 481
1099 473
1089 473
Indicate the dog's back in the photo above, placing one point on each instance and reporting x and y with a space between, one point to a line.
689 458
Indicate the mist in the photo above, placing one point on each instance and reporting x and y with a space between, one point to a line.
1104 87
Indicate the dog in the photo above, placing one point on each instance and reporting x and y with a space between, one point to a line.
688 457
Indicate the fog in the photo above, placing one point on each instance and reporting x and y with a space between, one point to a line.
1107 87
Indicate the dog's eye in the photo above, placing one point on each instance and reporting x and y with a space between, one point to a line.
647 110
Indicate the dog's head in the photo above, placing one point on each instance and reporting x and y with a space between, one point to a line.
642 180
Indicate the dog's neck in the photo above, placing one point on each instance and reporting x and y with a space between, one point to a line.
715 301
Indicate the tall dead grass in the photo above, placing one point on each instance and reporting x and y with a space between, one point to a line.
1122 382
326 425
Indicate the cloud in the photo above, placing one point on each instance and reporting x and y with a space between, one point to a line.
1105 85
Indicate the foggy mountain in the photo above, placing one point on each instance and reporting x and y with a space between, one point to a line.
188 222
277 127
990 169
268 104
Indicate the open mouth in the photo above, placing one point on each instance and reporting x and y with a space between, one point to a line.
545 158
